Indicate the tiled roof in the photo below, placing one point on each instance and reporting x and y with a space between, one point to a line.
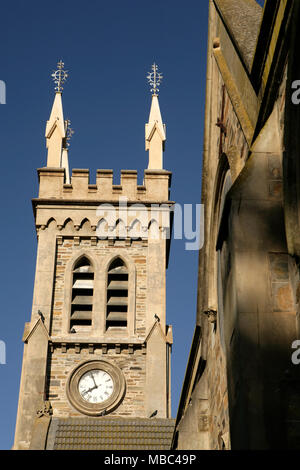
110 434
243 19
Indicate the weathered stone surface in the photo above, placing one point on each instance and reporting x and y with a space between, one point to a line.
247 271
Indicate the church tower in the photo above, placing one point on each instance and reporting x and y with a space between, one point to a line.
96 364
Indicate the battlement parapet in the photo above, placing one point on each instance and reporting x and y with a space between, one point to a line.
155 188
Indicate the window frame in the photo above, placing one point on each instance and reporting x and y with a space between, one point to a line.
100 265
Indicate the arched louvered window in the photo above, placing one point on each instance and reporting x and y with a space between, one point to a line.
117 295
82 294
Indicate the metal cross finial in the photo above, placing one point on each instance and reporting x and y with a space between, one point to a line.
69 132
154 78
59 76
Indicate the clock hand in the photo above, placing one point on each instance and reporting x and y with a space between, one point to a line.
94 380
89 390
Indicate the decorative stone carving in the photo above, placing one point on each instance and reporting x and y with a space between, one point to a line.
45 410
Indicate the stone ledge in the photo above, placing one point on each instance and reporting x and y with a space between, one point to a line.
79 345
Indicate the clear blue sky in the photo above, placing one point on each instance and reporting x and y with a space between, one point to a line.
108 48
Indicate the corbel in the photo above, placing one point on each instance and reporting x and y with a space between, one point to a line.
94 241
76 241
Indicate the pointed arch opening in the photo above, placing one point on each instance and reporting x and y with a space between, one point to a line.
120 229
153 230
102 229
51 223
117 295
68 223
82 293
135 230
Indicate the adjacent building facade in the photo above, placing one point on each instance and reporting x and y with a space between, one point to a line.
241 389
96 365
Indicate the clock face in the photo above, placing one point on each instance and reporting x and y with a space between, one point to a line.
96 386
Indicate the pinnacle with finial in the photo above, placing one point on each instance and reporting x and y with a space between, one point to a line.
59 76
154 79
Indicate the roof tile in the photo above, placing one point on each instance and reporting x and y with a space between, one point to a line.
110 434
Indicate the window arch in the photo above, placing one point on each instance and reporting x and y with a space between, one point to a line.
82 293
117 295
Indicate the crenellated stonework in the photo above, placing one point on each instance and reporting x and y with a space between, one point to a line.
155 188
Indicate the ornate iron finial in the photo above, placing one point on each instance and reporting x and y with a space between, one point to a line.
60 76
154 78
69 132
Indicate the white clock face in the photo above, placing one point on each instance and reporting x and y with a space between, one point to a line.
96 386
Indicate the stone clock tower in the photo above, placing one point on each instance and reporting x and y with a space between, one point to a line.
96 364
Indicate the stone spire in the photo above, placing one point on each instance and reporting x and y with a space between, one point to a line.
56 126
155 131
